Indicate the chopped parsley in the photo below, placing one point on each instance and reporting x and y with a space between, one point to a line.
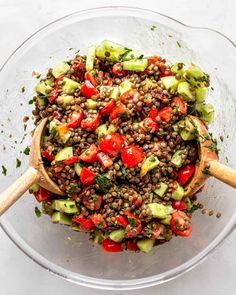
123 56
103 182
26 151
23 89
72 188
125 171
221 138
31 101
205 170
179 44
38 213
4 170
18 163
193 208
153 28
132 222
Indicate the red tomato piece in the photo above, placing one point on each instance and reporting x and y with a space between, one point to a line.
108 81
180 224
90 77
179 205
118 71
91 122
166 114
185 173
105 111
90 154
57 115
134 227
98 220
156 231
132 246
122 220
136 202
153 114
111 246
131 96
58 79
119 111
85 224
53 95
46 154
42 194
71 160
105 160
150 125
166 72
92 202
79 69
75 119
87 176
88 90
180 104
131 155
111 144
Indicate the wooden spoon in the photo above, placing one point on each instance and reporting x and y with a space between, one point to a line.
36 173
208 164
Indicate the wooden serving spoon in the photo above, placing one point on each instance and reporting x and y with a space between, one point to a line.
208 164
36 173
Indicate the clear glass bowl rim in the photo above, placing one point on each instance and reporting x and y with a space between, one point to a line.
101 283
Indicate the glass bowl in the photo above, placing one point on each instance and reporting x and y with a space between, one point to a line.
70 254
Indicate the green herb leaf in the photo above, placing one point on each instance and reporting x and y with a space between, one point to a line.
26 151
125 171
193 208
103 182
31 101
4 170
205 170
18 163
179 44
153 28
23 89
132 222
37 212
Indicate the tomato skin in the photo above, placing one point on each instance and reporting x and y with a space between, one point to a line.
131 96
54 95
136 202
87 176
150 125
105 111
98 220
75 119
111 246
179 205
46 154
79 69
71 160
92 202
166 114
90 154
88 90
157 231
111 144
132 246
153 60
42 194
185 173
117 71
105 160
180 224
122 220
131 155
91 123
119 111
181 104
134 227
153 114
166 73
85 224
89 76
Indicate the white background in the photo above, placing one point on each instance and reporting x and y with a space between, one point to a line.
20 275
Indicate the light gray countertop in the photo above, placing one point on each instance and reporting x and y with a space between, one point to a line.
19 274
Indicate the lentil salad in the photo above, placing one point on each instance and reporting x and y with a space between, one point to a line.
120 146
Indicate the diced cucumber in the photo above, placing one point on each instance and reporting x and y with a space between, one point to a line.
145 245
115 93
53 125
90 58
64 154
110 51
43 88
42 100
34 188
117 235
185 92
201 93
133 54
149 163
113 47
59 217
170 82
64 100
178 193
101 130
91 104
159 210
162 190
65 206
60 69
63 132
207 112
178 68
186 129
69 86
176 159
135 65
78 167
50 81
125 86
195 76
166 220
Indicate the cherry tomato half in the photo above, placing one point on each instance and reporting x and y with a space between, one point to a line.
179 205
92 202
85 224
150 126
91 122
111 144
88 90
180 224
42 194
71 160
166 114
75 119
79 69
87 176
111 246
118 71
131 155
131 96
166 72
134 227
47 154
119 111
132 246
105 111
105 160
122 220
90 77
98 220
185 173
153 114
90 154
180 104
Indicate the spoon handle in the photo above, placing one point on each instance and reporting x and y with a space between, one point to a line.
223 173
17 189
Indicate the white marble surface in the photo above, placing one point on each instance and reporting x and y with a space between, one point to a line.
20 275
